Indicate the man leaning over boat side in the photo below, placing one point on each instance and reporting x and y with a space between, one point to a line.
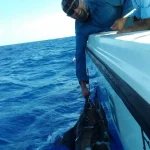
142 13
92 16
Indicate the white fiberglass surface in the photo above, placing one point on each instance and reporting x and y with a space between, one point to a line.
127 55
116 112
130 131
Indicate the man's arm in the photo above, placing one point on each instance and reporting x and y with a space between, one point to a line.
83 30
81 64
119 24
137 26
143 11
127 8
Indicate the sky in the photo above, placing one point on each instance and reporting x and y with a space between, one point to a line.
24 21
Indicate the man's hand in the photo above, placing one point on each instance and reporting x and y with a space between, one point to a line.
119 23
85 90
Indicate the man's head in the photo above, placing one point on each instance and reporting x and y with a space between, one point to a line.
75 9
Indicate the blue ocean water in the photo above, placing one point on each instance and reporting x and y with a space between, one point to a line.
40 97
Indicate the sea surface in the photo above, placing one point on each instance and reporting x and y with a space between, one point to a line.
40 97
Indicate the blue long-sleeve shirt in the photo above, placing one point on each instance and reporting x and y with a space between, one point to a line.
143 8
103 14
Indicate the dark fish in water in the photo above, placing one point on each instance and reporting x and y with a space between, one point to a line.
90 132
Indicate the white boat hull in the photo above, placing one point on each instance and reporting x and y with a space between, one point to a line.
124 62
